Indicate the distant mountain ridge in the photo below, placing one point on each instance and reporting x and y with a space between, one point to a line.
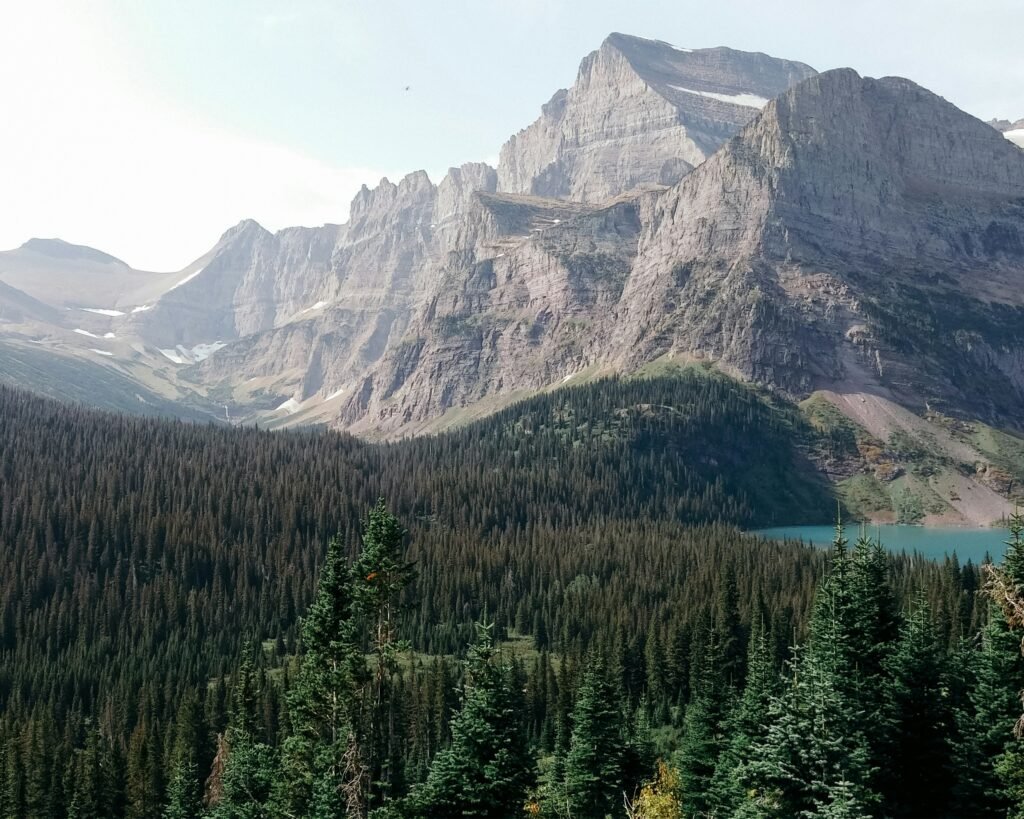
802 231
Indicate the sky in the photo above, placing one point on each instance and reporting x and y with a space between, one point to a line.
146 128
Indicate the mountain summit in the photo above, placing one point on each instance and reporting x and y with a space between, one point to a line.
641 113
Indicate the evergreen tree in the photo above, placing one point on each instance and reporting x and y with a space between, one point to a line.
250 770
746 722
593 783
184 792
379 576
318 767
917 772
815 755
487 770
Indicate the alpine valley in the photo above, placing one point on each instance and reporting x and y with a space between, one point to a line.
849 250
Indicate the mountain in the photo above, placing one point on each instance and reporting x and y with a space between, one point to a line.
853 238
836 243
65 275
640 113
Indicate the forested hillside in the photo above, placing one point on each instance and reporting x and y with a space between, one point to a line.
154 575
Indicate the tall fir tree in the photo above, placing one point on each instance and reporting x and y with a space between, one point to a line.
319 768
379 575
487 770
251 769
593 783
917 769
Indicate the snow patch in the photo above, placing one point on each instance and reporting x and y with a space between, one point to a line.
187 279
99 352
82 332
289 406
142 308
337 392
102 311
201 352
570 375
319 305
109 335
173 356
1016 136
747 100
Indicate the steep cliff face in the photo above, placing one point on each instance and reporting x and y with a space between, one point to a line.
342 294
519 307
850 234
641 113
861 230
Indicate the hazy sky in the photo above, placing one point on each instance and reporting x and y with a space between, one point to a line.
147 127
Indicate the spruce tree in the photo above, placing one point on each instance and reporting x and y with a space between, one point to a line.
487 770
318 767
593 783
379 575
815 753
917 771
250 770
745 725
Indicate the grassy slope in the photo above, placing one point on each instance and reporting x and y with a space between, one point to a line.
68 378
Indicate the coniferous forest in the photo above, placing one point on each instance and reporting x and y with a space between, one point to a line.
552 613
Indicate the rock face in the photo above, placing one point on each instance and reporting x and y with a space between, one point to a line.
641 113
859 229
859 232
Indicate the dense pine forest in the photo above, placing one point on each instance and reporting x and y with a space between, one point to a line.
553 614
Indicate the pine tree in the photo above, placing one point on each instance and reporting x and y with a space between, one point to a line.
379 576
745 725
703 726
250 770
988 752
184 793
917 772
318 765
487 770
815 754
593 783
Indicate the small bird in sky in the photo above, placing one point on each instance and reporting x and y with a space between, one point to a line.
408 88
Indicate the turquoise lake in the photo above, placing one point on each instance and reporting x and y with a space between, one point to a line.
931 542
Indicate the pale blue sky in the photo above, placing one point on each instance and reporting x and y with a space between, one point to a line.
176 118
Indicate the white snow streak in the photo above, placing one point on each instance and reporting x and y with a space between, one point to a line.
1015 136
82 332
747 100
187 279
99 352
102 311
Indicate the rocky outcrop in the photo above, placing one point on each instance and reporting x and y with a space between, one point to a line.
641 113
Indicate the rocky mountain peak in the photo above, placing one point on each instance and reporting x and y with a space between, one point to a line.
641 113
860 231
